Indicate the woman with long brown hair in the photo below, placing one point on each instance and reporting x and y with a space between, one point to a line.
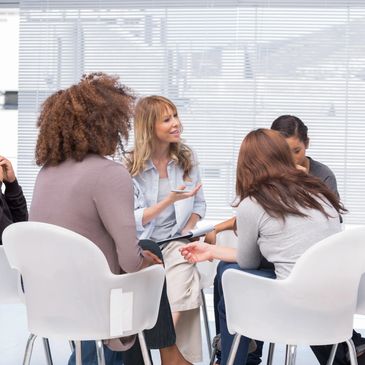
281 212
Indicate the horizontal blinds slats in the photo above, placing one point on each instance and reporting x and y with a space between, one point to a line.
228 67
71 4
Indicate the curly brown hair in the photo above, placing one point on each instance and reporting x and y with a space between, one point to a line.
92 116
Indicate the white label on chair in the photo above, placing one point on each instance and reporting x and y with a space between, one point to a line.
121 311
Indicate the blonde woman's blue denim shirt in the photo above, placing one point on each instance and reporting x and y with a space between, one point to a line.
146 192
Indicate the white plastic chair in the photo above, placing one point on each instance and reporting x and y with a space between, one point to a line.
71 293
360 309
11 293
9 283
207 271
313 306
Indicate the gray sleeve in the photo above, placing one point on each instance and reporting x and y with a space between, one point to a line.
248 221
324 173
331 182
114 201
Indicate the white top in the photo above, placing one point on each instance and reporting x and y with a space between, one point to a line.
281 243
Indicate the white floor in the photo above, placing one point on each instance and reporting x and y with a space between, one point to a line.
13 336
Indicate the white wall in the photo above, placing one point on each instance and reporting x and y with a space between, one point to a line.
9 47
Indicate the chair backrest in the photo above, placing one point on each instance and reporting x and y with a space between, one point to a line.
332 266
360 308
321 290
9 281
69 289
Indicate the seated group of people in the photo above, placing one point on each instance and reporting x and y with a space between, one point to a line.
286 202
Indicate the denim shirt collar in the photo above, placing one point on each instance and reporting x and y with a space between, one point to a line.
150 165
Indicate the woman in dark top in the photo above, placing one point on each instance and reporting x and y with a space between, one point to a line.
13 207
296 135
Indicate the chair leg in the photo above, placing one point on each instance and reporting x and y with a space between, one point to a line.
29 349
144 349
270 355
72 345
212 357
100 352
47 351
332 354
234 348
78 353
352 352
290 355
206 323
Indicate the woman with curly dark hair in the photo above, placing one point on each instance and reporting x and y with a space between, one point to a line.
80 189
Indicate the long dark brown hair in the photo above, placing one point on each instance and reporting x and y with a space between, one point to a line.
92 116
266 172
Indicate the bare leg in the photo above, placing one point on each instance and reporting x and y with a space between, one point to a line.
175 317
172 356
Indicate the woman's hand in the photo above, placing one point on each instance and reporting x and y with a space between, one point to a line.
150 259
301 168
7 173
197 252
174 197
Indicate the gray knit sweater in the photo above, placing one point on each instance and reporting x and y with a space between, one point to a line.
281 243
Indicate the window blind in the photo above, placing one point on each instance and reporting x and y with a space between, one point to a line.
229 66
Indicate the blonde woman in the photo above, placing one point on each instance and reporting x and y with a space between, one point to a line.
160 163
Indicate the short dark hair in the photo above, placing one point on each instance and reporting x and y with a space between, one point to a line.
291 126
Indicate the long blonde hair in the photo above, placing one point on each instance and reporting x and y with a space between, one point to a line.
148 111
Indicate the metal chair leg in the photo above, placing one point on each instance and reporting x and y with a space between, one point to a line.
332 354
352 352
270 355
212 358
290 355
29 349
234 348
206 323
47 351
100 352
78 353
72 345
144 349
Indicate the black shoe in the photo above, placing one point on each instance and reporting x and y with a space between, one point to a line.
361 359
217 344
360 354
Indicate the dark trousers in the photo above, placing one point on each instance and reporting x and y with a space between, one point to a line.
220 316
160 336
323 352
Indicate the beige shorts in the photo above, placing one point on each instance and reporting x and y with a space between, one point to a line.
183 291
182 279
